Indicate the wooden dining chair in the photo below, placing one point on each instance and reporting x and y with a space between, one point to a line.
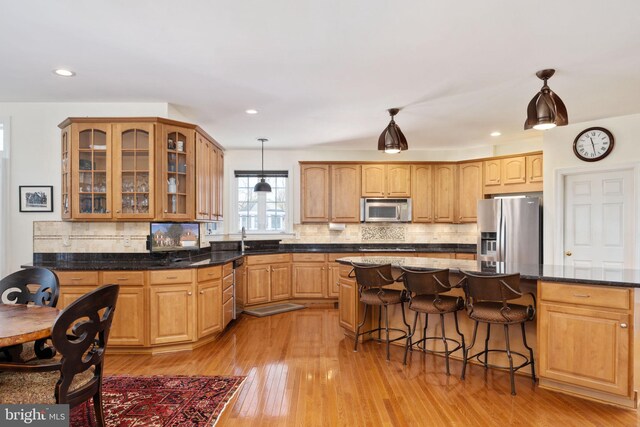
38 286
80 334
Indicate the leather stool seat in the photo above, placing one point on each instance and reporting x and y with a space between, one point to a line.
380 297
426 304
494 312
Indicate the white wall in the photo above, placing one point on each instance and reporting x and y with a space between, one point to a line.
35 158
558 154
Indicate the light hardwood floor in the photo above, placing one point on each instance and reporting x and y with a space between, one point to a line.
302 371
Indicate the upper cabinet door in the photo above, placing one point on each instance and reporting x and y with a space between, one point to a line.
398 181
65 191
315 193
444 192
373 180
492 172
422 190
133 171
513 170
91 177
345 193
534 168
204 177
470 191
219 185
176 173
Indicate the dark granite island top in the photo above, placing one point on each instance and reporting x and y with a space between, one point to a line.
550 273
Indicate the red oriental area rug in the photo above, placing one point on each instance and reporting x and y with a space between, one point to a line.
159 401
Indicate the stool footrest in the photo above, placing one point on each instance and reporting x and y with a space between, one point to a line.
489 365
424 340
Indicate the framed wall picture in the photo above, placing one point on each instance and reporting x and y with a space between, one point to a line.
36 198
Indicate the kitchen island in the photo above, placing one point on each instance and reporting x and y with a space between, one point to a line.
585 336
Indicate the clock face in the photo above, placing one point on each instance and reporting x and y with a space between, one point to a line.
593 144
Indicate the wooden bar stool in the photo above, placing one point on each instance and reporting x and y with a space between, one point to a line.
372 280
424 290
487 299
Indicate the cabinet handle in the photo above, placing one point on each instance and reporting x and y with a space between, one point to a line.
210 274
171 277
623 325
266 269
122 279
76 278
581 295
165 211
189 293
201 292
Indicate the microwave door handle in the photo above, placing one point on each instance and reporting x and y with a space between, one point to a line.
397 213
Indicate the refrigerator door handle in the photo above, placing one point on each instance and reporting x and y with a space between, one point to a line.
503 243
499 237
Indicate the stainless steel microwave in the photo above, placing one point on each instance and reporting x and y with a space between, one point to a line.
385 210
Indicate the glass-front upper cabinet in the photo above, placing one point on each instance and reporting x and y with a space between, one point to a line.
91 154
177 173
133 190
65 192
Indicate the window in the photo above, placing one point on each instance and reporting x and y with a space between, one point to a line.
262 212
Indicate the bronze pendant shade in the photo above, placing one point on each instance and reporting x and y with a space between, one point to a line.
262 186
392 139
546 110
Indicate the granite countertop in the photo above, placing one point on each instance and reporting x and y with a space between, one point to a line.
230 252
597 276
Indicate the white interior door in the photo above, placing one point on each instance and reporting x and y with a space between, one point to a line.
598 222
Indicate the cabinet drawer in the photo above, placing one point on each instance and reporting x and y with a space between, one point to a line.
227 269
465 256
227 294
209 273
309 257
77 277
267 259
123 277
165 277
595 296
436 255
227 281
333 257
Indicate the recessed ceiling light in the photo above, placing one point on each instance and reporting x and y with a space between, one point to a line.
496 133
251 111
64 73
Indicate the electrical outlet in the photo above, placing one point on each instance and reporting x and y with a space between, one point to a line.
127 241
66 241
298 235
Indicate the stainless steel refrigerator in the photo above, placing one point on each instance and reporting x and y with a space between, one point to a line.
509 230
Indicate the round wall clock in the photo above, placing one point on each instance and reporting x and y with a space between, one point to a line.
593 144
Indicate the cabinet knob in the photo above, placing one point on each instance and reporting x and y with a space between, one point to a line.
118 211
623 325
568 253
266 269
108 211
201 292
189 293
165 211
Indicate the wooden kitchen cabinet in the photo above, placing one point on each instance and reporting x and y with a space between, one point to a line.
209 307
280 281
333 274
171 312
314 187
129 324
534 168
444 176
139 169
347 302
513 174
422 190
392 180
309 280
345 193
585 340
258 284
469 191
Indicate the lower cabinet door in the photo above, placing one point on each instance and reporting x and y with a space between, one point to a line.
280 282
258 284
309 280
171 312
128 327
585 347
227 312
69 294
209 308
347 304
333 288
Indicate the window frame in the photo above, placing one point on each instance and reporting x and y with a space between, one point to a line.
235 215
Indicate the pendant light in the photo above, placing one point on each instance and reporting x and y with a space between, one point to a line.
391 139
262 186
546 110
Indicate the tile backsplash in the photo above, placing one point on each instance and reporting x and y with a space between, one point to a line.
116 237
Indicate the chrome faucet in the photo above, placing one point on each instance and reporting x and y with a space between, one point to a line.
244 236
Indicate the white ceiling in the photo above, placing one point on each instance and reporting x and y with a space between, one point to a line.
322 73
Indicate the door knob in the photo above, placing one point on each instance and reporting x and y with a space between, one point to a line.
568 253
